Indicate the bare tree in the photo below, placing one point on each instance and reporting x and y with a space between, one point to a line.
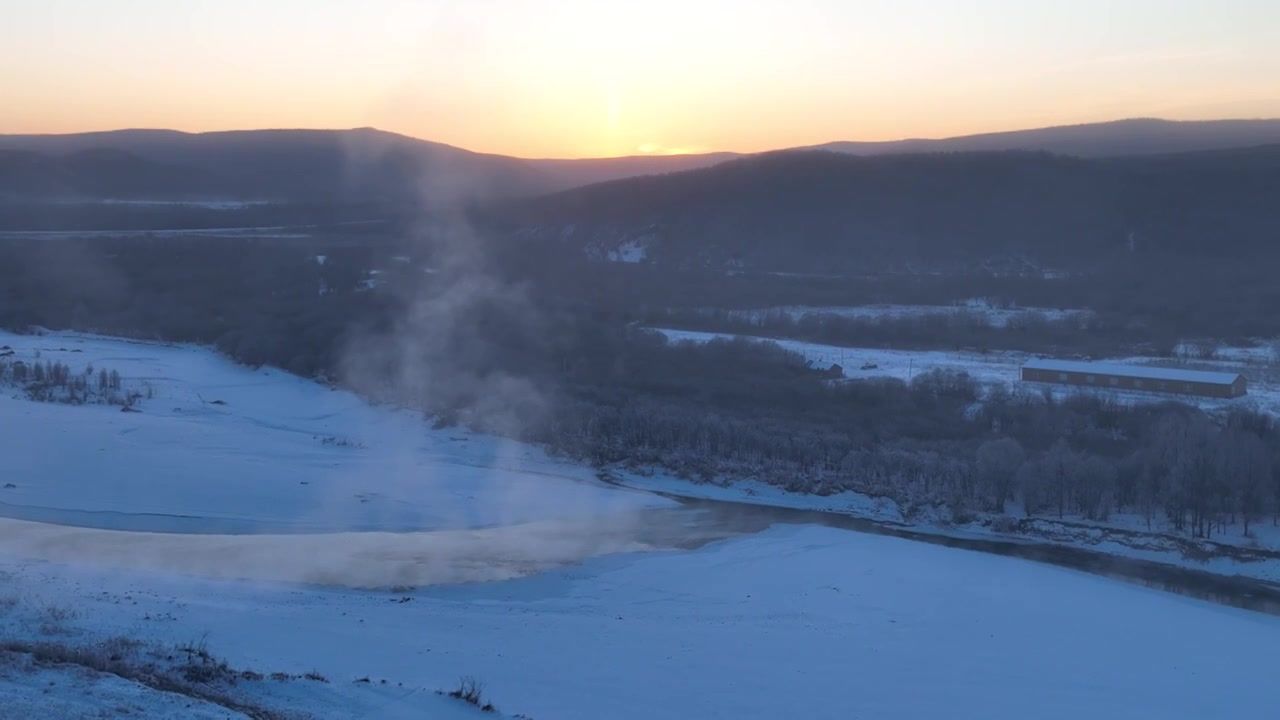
1148 491
1033 485
1061 466
1183 455
1049 481
997 467
1095 482
1251 484
1196 466
1275 477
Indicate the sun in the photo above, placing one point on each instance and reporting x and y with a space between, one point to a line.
659 149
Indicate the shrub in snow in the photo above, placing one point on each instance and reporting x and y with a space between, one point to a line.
188 670
341 442
55 382
471 691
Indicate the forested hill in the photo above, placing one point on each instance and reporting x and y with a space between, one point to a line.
358 165
832 213
100 172
365 165
1133 136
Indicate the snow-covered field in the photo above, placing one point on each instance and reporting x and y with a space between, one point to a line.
901 364
219 513
1002 367
222 448
278 232
996 316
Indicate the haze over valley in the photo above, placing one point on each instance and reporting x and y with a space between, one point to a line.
640 369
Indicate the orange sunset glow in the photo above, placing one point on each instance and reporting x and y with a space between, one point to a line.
576 79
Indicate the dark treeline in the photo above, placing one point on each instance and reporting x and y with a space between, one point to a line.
143 216
1155 299
938 441
261 302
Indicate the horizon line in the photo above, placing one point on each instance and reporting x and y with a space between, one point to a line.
820 145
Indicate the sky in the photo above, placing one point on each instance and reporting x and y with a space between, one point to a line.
584 78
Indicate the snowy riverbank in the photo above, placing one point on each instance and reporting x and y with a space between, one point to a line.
1228 554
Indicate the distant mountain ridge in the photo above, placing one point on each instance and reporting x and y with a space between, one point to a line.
823 212
340 165
1136 136
367 165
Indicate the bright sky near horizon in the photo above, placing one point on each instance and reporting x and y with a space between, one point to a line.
576 78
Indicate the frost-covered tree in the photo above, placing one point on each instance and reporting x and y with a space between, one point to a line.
997 467
1148 490
59 374
1061 474
1095 482
1250 485
1187 447
1032 485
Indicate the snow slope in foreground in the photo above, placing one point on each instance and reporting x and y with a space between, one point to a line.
31 688
28 690
800 622
225 449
